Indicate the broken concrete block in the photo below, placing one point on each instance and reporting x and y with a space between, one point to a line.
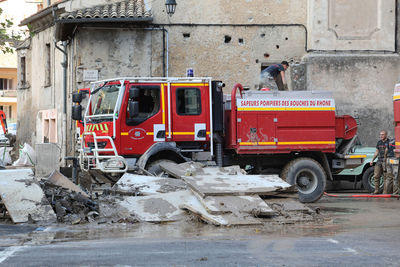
230 219
58 179
23 197
147 185
216 181
157 208
47 159
290 205
236 204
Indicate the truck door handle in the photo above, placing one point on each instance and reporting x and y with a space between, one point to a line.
160 134
201 133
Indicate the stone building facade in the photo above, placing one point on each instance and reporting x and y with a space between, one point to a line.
355 57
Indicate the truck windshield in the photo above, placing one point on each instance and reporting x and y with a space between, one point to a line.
104 99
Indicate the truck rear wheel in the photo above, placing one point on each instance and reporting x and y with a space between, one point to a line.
308 175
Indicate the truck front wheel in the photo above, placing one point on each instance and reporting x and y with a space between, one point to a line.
308 175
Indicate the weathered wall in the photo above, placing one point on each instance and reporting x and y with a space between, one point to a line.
362 86
237 60
254 27
355 57
351 25
352 56
38 95
114 53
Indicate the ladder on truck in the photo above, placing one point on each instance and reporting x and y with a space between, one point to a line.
91 157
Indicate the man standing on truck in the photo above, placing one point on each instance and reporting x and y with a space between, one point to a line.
271 75
380 166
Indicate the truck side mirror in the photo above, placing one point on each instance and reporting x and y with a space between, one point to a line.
77 97
76 112
133 92
133 109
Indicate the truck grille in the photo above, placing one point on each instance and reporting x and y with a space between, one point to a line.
99 144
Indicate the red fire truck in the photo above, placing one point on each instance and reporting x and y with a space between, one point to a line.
132 123
396 111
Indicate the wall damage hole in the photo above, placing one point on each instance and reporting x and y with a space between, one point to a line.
241 41
262 35
277 46
257 61
227 39
286 38
186 35
266 55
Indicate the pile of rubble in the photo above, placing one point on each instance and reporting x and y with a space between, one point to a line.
219 196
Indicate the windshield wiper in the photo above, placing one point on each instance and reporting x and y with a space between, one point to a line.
98 89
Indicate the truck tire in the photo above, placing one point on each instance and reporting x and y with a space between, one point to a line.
308 175
368 180
154 167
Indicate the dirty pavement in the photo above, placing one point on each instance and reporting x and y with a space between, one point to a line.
217 196
215 204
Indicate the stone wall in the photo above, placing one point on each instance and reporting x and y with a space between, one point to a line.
362 86
330 49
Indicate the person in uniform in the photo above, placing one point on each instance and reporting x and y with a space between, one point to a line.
391 182
380 166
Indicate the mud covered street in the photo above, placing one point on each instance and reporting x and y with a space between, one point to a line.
352 232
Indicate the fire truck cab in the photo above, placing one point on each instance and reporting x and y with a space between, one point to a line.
152 118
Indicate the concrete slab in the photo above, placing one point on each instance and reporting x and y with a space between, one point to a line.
290 205
157 208
148 185
215 181
23 197
231 219
47 159
253 205
58 179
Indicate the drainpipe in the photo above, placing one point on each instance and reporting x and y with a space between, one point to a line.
64 64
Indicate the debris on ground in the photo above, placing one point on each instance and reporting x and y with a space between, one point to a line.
220 196
23 198
157 208
141 185
71 204
56 178
215 181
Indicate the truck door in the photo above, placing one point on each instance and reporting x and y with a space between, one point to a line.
190 112
256 129
139 133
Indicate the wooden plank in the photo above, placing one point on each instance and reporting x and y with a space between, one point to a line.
23 197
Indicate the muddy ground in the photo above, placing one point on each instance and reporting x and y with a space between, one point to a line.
337 215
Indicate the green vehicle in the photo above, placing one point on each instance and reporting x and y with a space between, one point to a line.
363 173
